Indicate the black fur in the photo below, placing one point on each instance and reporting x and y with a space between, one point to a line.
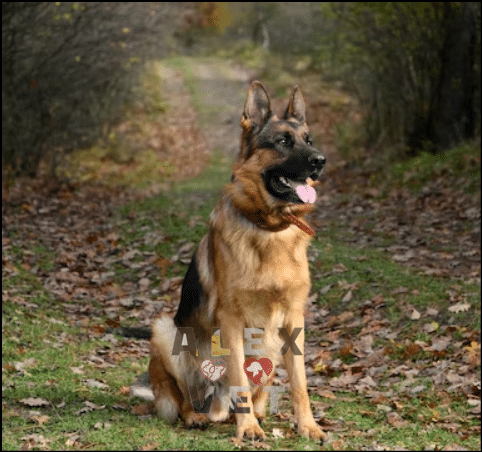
135 332
191 294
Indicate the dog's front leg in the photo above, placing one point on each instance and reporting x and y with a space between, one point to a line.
232 332
295 365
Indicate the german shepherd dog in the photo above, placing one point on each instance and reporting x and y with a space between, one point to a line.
249 271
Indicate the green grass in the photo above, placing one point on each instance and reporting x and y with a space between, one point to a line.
362 418
375 273
39 330
25 332
462 164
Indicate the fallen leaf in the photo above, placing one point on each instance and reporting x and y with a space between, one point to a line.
35 441
150 446
89 406
440 343
260 445
344 380
459 307
339 268
415 314
404 257
77 370
430 327
124 390
411 350
142 409
40 419
94 383
34 401
378 299
72 441
417 389
473 354
325 290
347 297
326 393
102 425
394 419
112 323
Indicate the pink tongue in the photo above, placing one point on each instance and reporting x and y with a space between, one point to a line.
306 193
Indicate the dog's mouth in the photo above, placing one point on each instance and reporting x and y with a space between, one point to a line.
291 190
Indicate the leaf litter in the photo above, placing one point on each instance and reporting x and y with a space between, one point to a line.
82 251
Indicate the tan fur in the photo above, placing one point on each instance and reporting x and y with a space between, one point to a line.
254 272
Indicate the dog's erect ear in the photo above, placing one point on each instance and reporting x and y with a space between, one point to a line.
296 106
257 107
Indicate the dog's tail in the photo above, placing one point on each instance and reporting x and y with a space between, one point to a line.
165 369
137 332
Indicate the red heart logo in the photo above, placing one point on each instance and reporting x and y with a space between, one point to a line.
213 369
254 369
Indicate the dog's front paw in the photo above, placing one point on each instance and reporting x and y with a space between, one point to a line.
196 420
250 429
311 430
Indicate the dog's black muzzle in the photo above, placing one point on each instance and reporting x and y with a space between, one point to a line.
282 180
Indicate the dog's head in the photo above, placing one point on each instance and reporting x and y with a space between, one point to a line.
278 163
295 161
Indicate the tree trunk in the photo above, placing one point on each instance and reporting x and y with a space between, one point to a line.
452 113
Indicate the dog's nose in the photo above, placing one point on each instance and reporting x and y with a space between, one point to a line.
317 161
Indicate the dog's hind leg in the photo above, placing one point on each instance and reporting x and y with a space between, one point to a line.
168 398
167 374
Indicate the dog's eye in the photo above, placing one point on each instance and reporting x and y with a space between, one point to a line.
309 141
285 140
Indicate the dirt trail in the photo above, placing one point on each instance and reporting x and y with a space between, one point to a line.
218 90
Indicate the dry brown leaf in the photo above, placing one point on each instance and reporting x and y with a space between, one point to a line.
339 268
415 315
324 290
459 307
326 393
260 445
404 257
394 419
77 370
124 390
142 409
150 446
89 406
113 323
440 343
72 441
378 299
94 383
473 354
34 441
430 327
40 419
347 297
34 401
344 380
102 425
344 316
